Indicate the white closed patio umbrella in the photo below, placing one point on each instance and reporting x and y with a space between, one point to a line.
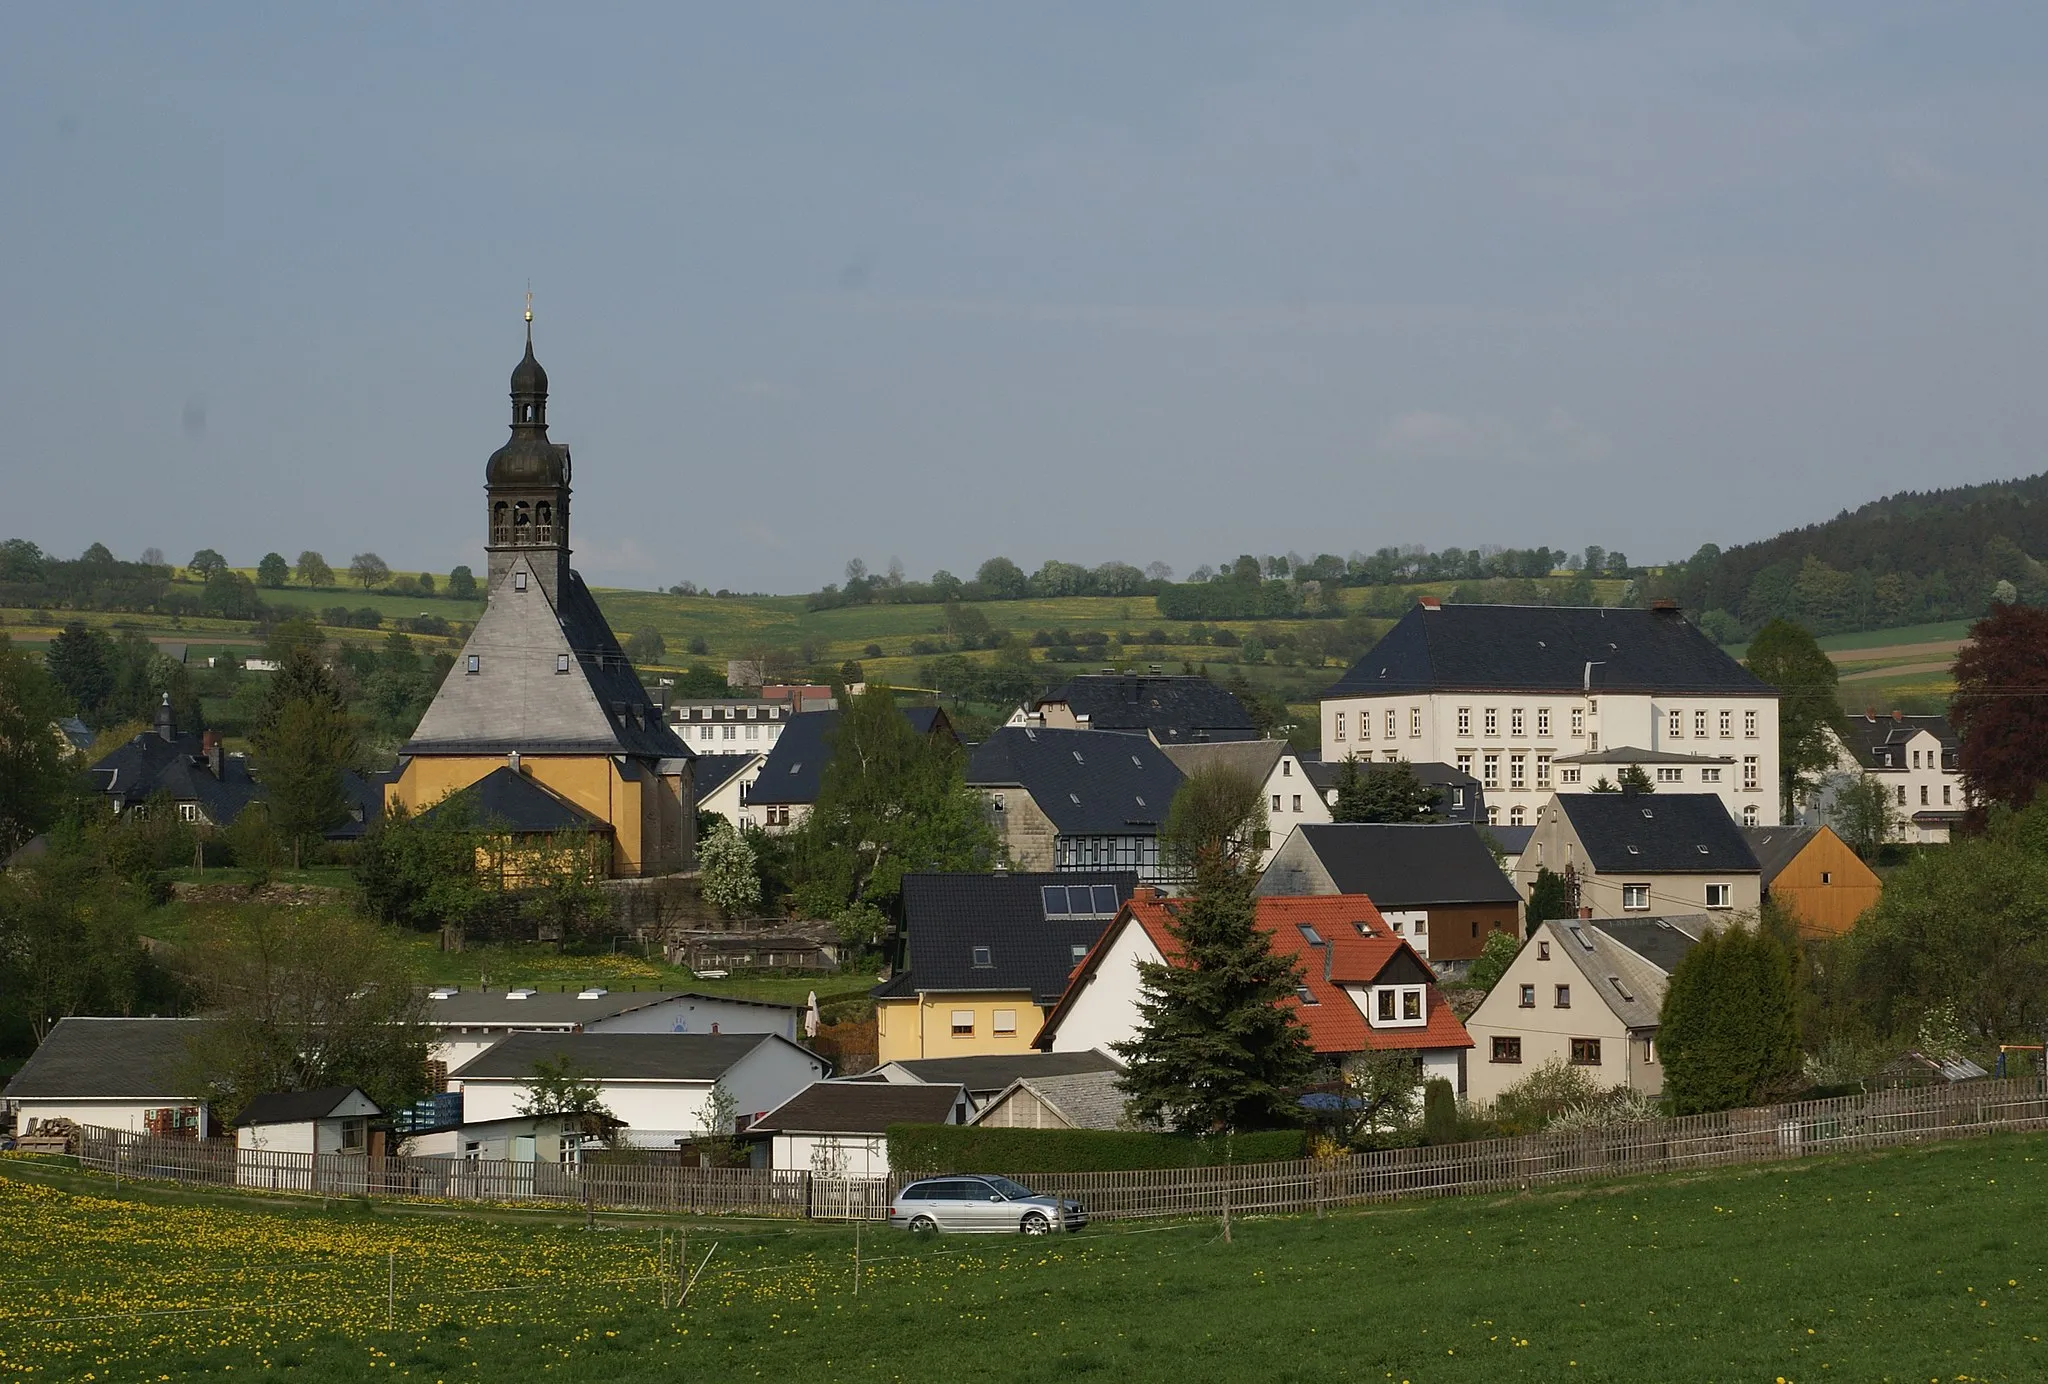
811 1016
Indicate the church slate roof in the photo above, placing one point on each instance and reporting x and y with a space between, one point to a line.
505 797
1089 782
1546 649
1179 708
517 700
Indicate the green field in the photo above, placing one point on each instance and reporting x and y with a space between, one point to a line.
1917 1264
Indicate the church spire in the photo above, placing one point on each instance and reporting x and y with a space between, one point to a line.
527 483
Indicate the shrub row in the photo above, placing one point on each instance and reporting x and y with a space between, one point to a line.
963 1148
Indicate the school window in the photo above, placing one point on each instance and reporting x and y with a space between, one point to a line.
1543 771
1514 720
1720 896
1585 1052
1393 722
1543 720
1579 721
1923 795
1518 771
1710 776
475 664
1491 763
1528 997
963 1023
1675 725
1564 997
1004 1022
1750 815
1749 725
1749 773
1507 1049
1635 897
1465 763
1340 725
1669 775
1515 817
1568 774
1464 722
1414 722
1699 724
1492 721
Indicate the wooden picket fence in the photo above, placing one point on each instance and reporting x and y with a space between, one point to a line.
1845 1124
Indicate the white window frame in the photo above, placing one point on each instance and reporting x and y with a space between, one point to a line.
1003 1023
1393 723
1518 772
1465 763
1516 720
956 1027
1490 719
1338 726
1727 725
1720 896
1699 724
1749 725
1635 898
1668 773
1674 728
1490 770
1542 722
1579 722
1568 773
1543 771
1414 723
1751 774
1464 723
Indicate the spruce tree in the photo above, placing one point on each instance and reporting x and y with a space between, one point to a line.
1729 1032
1382 793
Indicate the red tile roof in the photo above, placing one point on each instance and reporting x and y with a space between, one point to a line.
1360 946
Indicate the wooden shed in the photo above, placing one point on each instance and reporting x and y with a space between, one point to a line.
1814 876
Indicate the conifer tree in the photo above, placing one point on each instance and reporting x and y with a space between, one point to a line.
1381 793
1729 1032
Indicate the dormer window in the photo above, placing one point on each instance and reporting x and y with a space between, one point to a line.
1397 1006
983 957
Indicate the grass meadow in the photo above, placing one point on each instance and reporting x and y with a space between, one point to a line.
1918 1264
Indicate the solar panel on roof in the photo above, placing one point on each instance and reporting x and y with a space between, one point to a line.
1105 898
1055 896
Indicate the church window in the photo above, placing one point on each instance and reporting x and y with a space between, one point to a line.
476 663
501 526
519 581
561 663
522 522
544 522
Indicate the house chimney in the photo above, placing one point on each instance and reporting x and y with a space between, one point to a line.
1664 606
164 726
1870 714
209 745
1898 715
1429 603
1585 913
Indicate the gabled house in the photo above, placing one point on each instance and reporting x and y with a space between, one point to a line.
132 1074
1362 988
659 1085
724 784
1436 886
841 1128
524 822
988 1075
1506 692
988 954
466 1022
1814 876
1076 799
1292 797
1649 853
1458 796
1919 761
1079 1100
205 785
1583 991
333 1119
1173 709
786 789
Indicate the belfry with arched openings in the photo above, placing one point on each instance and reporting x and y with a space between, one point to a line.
542 714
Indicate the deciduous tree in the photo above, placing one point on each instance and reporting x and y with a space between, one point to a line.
1810 719
729 874
205 563
1862 813
2000 706
313 570
462 584
368 570
33 772
273 570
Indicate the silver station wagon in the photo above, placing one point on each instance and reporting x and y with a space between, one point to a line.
980 1205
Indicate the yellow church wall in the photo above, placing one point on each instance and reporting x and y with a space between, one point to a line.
922 1025
593 783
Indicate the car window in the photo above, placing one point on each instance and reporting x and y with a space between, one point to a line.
977 1189
942 1191
917 1191
1011 1190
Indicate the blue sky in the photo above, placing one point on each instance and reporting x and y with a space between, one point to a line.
1142 281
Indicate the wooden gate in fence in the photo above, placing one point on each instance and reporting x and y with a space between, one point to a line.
1801 1129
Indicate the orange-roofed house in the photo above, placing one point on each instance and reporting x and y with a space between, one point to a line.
1362 988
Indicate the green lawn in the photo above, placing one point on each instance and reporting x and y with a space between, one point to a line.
1917 1264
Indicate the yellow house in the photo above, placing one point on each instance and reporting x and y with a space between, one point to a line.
542 688
989 956
1823 884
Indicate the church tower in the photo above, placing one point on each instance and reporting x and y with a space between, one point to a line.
526 484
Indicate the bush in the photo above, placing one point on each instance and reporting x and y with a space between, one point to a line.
1495 957
1439 1112
916 1149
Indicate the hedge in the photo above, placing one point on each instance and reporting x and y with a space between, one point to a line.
915 1148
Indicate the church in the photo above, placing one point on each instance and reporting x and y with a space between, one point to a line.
542 715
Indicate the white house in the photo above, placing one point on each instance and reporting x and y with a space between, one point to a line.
132 1074
660 1085
1917 758
333 1121
466 1022
1292 799
1586 992
1519 695
841 1128
1363 989
724 784
728 725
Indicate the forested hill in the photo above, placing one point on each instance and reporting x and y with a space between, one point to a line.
1911 557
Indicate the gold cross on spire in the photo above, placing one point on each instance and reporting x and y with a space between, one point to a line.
529 300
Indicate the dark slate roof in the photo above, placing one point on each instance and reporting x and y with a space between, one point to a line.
1177 707
858 1107
296 1107
1513 840
987 1073
1545 649
1880 741
1409 866
1629 754
564 1007
507 798
77 732
1657 833
947 916
1774 847
713 771
147 765
1089 782
792 770
111 1059
612 679
618 1056
1663 942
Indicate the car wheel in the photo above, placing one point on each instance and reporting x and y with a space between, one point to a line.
923 1225
1037 1224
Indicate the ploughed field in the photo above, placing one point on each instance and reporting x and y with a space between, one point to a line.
1910 1265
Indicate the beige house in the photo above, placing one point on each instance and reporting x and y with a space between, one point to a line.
1074 799
1291 799
1918 759
1587 992
1628 853
1510 694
